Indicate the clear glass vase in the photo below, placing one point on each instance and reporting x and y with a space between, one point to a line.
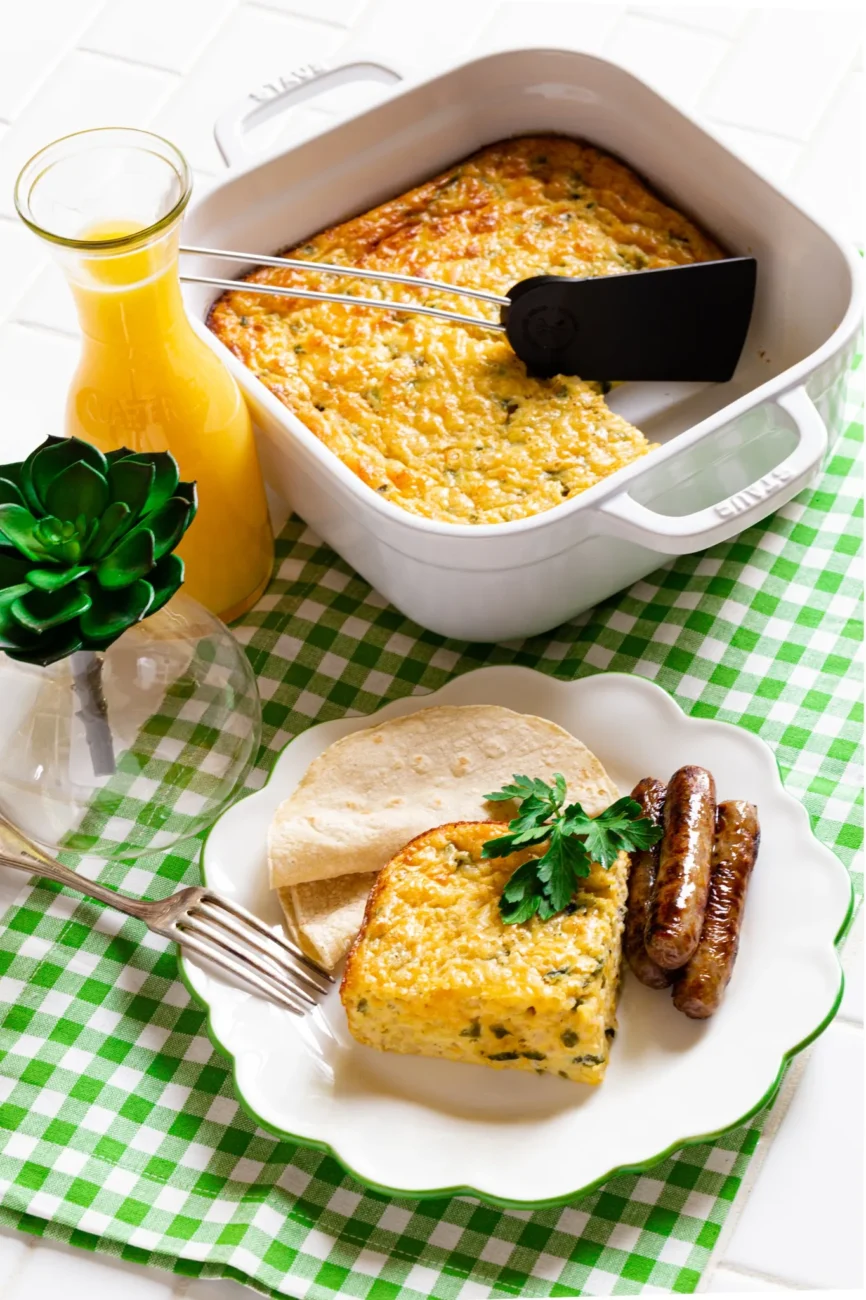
109 202
128 751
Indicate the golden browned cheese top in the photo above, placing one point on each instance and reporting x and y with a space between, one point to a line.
441 419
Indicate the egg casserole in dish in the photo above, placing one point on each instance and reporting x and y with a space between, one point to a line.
442 419
436 972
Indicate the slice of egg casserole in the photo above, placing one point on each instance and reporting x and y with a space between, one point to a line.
436 972
442 420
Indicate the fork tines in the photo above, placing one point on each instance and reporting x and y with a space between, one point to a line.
231 937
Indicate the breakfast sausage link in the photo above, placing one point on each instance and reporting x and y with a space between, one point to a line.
678 903
701 986
650 794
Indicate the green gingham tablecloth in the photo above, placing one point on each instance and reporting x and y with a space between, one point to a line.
119 1130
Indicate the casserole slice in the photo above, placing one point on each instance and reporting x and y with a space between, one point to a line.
436 972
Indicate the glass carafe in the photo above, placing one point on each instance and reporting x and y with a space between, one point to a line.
110 203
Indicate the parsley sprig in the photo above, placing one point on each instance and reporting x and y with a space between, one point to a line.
546 885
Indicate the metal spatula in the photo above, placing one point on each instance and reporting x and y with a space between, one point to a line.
678 323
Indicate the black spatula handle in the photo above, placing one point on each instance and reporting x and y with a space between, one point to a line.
677 323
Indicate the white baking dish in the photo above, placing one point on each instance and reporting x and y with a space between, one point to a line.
731 453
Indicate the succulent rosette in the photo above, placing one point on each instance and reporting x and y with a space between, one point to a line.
86 544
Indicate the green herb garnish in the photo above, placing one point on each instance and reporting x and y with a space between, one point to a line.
545 885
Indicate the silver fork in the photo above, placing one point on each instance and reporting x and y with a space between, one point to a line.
199 921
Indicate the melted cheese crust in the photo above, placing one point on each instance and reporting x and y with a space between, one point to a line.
443 420
435 972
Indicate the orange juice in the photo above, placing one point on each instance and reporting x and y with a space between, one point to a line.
145 379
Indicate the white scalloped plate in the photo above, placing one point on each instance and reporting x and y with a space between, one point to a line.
419 1127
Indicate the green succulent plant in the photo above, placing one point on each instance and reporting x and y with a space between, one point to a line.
86 544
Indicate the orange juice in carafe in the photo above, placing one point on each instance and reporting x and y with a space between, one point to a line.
146 380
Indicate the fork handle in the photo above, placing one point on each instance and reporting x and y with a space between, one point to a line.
37 862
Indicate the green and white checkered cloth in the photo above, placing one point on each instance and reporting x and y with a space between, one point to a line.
119 1130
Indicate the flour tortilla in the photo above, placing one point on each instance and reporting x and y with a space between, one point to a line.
323 916
368 794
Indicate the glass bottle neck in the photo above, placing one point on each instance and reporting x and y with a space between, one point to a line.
130 293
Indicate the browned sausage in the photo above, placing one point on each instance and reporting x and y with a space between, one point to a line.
650 794
701 985
676 911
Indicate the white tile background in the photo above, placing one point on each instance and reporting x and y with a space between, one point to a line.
783 86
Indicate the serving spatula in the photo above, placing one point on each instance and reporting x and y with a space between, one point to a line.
675 323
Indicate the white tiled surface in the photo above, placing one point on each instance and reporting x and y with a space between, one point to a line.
163 34
728 1281
815 56
42 33
782 86
649 48
83 90
252 45
814 1240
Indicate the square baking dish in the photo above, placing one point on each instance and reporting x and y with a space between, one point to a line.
730 454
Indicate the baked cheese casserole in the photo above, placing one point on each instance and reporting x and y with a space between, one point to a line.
443 419
436 972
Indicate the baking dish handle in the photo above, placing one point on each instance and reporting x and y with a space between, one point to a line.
682 534
306 82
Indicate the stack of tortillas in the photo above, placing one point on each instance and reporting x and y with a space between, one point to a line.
368 794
